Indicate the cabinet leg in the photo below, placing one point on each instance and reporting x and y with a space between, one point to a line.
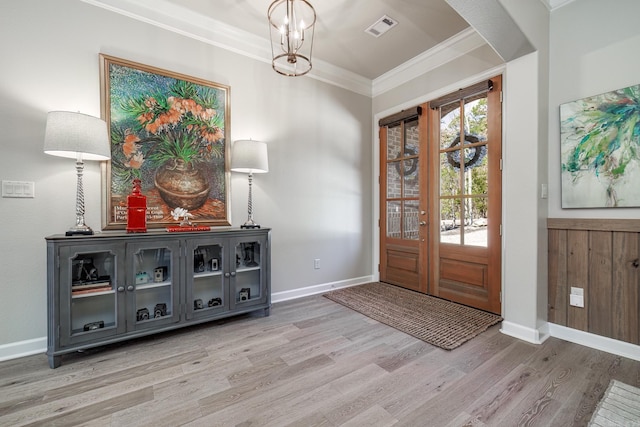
55 361
267 311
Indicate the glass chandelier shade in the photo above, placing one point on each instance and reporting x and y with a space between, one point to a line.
292 24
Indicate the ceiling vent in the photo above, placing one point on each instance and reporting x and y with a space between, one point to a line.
381 26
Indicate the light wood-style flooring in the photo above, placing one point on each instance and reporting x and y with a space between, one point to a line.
311 363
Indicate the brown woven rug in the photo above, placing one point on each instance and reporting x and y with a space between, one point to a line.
436 321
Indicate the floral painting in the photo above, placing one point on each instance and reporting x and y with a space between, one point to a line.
170 131
600 150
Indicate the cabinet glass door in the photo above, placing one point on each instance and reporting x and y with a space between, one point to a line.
248 278
152 284
88 292
206 293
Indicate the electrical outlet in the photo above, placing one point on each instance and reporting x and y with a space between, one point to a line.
316 263
576 297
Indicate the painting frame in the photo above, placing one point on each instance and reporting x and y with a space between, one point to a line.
170 131
600 150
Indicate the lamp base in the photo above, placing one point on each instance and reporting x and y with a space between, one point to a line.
79 230
250 224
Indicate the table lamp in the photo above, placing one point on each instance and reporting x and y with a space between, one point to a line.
79 136
248 156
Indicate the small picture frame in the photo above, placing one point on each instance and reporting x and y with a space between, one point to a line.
214 264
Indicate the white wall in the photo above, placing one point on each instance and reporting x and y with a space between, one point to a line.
594 49
316 197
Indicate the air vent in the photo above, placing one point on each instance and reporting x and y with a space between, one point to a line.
381 26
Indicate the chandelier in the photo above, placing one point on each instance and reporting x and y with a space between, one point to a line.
291 24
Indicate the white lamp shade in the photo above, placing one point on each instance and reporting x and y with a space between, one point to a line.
249 156
69 134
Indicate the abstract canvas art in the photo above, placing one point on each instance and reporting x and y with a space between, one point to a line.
600 150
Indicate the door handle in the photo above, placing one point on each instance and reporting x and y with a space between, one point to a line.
130 288
423 223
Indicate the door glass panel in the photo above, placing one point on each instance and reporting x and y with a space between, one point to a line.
450 220
403 180
463 172
411 181
207 292
394 184
248 277
393 219
411 220
93 297
394 142
153 286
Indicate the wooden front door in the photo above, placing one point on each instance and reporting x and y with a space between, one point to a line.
466 142
403 228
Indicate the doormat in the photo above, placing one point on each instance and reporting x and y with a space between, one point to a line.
620 406
436 321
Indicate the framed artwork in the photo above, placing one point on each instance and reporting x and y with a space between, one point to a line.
170 131
600 150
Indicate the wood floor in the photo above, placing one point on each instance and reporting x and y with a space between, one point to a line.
311 363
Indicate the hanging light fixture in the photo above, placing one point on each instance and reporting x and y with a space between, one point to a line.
291 24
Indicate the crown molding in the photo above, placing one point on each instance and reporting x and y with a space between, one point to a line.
194 25
555 4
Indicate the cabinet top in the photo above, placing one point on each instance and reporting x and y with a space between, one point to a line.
161 232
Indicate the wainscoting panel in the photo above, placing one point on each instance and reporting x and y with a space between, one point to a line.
601 256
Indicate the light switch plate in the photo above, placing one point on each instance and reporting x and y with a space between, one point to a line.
18 189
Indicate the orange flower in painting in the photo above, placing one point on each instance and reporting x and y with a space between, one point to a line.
130 147
135 161
182 123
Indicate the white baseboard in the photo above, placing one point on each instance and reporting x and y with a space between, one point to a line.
18 349
534 336
318 289
598 342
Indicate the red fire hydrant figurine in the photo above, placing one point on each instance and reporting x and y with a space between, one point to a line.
136 210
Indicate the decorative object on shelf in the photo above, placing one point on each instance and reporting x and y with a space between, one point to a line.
142 278
142 314
94 325
160 274
178 213
185 223
170 131
250 157
599 145
198 305
160 310
291 29
214 264
136 210
244 294
214 302
81 137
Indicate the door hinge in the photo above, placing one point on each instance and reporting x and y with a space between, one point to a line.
501 229
500 96
500 164
378 268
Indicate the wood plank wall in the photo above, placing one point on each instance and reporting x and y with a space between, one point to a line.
602 256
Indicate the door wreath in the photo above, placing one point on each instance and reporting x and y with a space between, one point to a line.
475 157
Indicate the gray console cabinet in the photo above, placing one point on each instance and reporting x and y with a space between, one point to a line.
115 286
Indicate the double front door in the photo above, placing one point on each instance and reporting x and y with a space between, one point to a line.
440 193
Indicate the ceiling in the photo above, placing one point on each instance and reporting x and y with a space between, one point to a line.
428 32
340 38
